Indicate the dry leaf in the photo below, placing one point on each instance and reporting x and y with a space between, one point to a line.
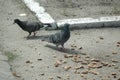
57 63
100 66
118 42
104 63
114 52
59 77
82 75
92 65
80 67
64 61
95 60
51 77
84 62
67 56
67 67
94 72
14 74
85 72
113 74
115 61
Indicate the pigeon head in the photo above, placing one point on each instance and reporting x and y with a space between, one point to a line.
66 26
16 21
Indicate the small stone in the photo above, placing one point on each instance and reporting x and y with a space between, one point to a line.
83 53
80 48
114 75
39 59
67 75
107 55
82 75
116 67
72 49
59 77
50 77
118 45
87 56
84 62
32 66
28 62
54 56
118 42
101 38
97 41
42 74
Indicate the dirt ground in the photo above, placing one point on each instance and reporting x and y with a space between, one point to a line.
91 54
68 9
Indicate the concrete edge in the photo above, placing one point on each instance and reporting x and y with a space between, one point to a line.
110 21
5 69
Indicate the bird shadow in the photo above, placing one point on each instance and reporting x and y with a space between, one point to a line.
35 37
67 50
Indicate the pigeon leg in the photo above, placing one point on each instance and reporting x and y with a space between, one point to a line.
57 46
63 49
34 33
62 46
29 35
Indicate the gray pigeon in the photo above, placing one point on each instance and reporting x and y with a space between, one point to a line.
59 38
29 26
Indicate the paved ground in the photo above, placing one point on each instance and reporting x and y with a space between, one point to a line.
68 9
91 54
5 72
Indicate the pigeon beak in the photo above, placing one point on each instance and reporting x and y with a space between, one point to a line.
44 27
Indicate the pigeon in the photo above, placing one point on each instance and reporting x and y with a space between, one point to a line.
29 26
59 38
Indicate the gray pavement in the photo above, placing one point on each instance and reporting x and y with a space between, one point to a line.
91 54
5 72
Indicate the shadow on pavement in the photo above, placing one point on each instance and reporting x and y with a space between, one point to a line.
34 37
67 50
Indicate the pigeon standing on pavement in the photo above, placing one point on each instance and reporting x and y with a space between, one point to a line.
59 38
29 26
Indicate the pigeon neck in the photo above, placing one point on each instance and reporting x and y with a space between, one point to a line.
20 24
66 30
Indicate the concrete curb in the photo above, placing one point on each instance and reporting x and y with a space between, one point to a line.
110 21
5 72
